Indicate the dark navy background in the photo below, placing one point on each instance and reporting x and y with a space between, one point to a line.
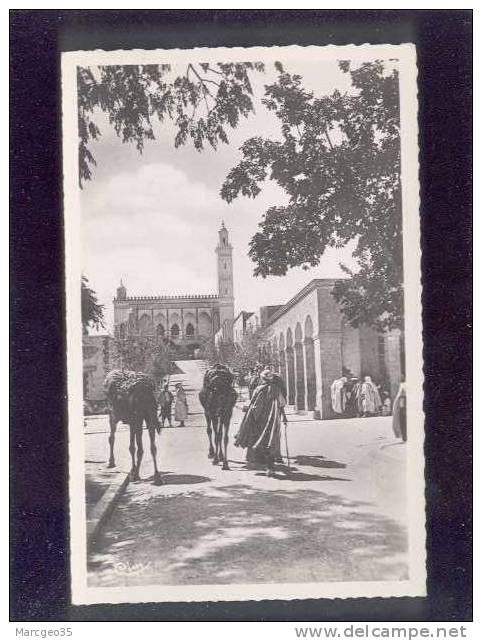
38 445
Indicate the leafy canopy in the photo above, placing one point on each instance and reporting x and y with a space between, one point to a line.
92 312
338 161
147 354
243 355
203 102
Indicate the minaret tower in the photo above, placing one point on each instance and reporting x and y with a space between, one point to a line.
224 253
121 291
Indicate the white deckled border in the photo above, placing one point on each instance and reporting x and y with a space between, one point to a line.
415 586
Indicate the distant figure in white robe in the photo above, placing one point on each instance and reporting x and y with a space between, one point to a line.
370 397
180 408
338 396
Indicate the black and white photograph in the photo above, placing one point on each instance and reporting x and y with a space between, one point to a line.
244 343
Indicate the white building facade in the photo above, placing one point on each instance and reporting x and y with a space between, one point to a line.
311 344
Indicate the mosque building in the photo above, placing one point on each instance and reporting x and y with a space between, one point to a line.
188 320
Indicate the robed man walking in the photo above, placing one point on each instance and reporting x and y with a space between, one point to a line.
260 429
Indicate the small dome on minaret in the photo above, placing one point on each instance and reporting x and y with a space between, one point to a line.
121 291
223 236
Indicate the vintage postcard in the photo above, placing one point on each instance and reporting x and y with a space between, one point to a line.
243 283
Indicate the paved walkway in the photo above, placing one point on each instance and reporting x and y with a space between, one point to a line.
337 516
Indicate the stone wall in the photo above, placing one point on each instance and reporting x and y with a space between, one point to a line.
351 349
393 360
96 356
370 359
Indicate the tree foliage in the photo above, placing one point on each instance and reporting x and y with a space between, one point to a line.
209 352
203 102
244 355
338 161
92 311
251 351
145 354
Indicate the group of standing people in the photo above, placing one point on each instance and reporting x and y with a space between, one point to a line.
166 399
352 397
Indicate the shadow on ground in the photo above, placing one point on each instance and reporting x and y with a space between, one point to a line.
94 491
97 480
293 475
168 478
318 461
246 534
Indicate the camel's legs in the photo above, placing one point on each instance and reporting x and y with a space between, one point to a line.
132 450
140 449
220 439
113 425
217 440
219 436
225 426
152 437
210 432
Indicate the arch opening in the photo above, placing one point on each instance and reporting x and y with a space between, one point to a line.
310 374
308 327
189 329
144 324
160 330
300 376
205 325
282 364
291 378
175 330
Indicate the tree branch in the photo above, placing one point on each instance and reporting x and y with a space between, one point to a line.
328 138
215 71
201 79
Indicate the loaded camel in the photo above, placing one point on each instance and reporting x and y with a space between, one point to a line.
218 398
132 400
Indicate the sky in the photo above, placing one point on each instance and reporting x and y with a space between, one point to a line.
152 219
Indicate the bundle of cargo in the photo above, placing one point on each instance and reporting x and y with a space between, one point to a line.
123 382
218 376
